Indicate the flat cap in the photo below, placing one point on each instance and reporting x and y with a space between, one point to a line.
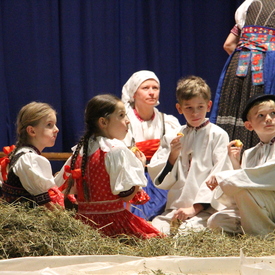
252 100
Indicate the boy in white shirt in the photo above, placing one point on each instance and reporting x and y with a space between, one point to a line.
249 190
185 161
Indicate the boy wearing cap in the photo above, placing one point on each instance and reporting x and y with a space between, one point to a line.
249 190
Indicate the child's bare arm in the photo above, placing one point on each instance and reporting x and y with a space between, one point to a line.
234 152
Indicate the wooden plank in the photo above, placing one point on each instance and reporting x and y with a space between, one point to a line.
58 156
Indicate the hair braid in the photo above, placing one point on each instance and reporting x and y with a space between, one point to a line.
73 161
83 165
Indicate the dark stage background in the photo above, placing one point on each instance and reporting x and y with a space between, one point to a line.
64 52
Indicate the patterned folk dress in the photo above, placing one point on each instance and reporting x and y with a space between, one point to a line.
248 71
105 210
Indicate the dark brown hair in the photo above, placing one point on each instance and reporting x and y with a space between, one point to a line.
99 106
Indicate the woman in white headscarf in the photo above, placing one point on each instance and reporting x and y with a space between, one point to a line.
140 95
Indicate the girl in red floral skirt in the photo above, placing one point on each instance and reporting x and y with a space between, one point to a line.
105 173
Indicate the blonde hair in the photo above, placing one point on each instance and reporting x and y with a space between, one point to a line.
192 86
260 103
30 115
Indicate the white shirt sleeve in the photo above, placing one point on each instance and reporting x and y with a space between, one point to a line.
35 173
125 170
259 177
240 14
59 179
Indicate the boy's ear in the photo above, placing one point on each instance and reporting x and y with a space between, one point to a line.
209 105
248 126
178 107
30 130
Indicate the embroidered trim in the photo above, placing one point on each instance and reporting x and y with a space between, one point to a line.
98 202
230 120
199 127
12 193
236 31
83 212
140 119
42 198
127 192
270 142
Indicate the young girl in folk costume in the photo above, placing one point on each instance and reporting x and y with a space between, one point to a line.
27 176
110 175
140 95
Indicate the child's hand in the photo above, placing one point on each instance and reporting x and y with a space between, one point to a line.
175 149
212 183
139 155
234 153
185 213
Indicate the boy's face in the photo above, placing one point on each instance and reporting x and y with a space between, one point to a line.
261 119
194 110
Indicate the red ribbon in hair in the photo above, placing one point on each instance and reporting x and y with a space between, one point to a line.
8 149
4 161
76 173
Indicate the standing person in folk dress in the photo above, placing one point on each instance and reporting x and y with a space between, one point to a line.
249 70
106 173
140 95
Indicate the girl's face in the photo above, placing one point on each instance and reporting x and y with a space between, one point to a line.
194 110
147 92
44 133
116 125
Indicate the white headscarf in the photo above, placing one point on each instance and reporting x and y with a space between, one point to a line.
131 86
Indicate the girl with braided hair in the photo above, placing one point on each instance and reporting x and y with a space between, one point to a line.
27 175
105 173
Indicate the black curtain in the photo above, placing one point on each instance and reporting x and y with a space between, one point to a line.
64 52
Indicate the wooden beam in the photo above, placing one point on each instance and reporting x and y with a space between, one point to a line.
58 156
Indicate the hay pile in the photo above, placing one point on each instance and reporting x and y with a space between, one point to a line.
39 232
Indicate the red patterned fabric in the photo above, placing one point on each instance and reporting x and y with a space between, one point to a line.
236 31
56 196
4 161
105 211
140 197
